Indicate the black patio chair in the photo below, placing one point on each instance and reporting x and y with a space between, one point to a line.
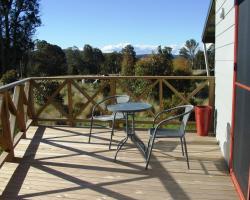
108 117
182 113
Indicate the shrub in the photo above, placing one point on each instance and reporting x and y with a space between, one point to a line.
181 67
171 102
47 88
9 77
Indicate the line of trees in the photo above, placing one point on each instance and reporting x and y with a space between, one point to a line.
50 60
21 56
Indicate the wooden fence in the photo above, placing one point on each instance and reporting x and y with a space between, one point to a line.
69 99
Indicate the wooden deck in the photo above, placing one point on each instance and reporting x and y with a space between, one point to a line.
58 163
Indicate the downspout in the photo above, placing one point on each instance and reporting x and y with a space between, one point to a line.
206 58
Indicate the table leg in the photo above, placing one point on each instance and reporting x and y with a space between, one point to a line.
133 124
120 146
127 124
121 143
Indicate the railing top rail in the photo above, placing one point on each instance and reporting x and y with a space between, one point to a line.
12 85
122 77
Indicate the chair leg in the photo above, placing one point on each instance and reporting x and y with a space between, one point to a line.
182 147
112 133
149 150
185 145
91 126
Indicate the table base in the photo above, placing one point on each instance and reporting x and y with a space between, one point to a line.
131 134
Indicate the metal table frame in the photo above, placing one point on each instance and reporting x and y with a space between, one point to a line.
130 109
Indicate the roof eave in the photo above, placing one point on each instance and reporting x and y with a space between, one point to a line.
208 35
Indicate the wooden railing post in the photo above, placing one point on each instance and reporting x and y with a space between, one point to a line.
31 107
21 119
27 111
211 100
161 95
113 87
13 120
211 92
70 102
7 139
13 104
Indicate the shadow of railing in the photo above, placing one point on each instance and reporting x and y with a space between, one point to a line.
17 180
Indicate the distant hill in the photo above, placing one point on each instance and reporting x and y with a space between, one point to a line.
142 56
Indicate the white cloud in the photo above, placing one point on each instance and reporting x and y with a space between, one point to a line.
139 48
116 47
176 48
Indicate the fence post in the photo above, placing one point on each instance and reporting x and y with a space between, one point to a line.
113 87
211 92
161 95
26 98
7 136
70 102
13 106
211 100
21 112
31 103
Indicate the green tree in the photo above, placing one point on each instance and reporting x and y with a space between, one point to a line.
112 64
181 67
199 61
18 22
128 60
93 58
156 64
167 58
153 65
166 52
98 59
9 77
47 60
189 51
75 62
87 53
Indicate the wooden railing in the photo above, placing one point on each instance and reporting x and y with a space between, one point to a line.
14 117
68 100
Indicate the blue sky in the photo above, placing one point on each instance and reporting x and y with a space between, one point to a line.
111 24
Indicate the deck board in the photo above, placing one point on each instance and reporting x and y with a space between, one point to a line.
59 163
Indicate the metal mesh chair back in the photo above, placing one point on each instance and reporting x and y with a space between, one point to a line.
186 115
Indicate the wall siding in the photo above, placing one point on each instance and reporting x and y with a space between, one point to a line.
224 59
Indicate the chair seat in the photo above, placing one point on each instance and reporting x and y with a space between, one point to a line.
109 117
163 133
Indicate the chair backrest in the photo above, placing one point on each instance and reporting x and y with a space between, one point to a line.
122 98
108 100
188 110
